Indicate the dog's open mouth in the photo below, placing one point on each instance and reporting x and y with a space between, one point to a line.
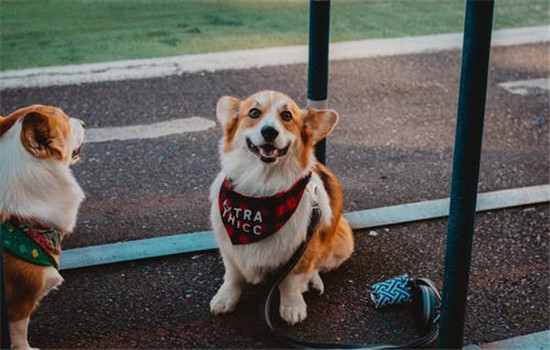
76 152
267 152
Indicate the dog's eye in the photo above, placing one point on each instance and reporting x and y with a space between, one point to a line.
254 113
286 115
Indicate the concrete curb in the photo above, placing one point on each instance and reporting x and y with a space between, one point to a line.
204 240
533 341
245 59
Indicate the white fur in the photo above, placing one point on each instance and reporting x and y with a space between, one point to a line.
18 334
52 280
270 119
292 307
253 262
44 189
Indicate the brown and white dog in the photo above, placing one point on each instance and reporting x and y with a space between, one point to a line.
260 209
39 196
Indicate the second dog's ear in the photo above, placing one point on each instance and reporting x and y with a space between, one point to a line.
318 123
227 109
41 137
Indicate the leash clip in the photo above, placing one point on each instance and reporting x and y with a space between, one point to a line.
312 189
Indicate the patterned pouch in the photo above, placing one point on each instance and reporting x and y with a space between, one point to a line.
391 292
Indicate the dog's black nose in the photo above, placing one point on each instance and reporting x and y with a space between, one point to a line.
269 133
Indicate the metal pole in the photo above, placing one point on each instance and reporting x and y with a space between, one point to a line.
317 74
4 326
467 153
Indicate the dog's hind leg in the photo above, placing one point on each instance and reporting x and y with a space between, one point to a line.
26 285
18 334
317 283
342 247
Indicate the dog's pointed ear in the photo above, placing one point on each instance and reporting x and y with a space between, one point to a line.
318 123
227 109
41 137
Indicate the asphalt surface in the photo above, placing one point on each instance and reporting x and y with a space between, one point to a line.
163 303
392 146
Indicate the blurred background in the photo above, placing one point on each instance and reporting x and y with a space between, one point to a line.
37 33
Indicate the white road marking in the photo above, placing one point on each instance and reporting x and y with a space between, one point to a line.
521 87
149 131
244 59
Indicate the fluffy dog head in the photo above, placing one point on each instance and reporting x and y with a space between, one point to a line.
37 145
269 129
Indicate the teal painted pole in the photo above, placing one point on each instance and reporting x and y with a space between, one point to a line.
466 160
317 73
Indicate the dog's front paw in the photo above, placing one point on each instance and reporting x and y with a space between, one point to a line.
224 301
294 313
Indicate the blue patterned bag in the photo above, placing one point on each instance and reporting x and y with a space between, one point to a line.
391 292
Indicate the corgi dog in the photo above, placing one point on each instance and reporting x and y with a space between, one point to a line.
39 201
260 207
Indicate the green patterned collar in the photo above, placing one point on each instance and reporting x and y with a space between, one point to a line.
36 244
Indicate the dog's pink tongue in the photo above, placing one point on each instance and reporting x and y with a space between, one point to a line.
268 151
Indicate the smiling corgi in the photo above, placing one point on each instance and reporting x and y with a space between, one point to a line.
39 201
260 205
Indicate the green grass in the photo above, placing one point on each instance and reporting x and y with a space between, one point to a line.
36 33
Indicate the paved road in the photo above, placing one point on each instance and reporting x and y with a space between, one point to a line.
393 145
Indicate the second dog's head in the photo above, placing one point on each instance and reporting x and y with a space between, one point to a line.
37 146
45 132
270 128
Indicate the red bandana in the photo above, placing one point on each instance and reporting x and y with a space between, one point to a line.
251 219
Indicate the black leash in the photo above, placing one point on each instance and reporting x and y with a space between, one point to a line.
267 301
